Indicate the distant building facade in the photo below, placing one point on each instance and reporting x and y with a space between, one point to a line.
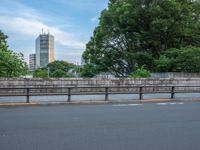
32 62
44 46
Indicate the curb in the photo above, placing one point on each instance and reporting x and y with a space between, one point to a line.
16 104
100 102
53 103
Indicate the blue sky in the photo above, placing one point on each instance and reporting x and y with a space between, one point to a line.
72 23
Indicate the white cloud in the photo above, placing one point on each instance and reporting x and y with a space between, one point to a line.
70 53
29 27
26 23
94 19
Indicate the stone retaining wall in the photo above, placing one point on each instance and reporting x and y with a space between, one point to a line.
35 82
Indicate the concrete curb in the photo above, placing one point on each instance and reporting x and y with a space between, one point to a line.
196 99
16 104
99 102
53 103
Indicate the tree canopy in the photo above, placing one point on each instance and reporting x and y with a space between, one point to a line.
40 73
59 64
185 59
56 69
11 64
135 33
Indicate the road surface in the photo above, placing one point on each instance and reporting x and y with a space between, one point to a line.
156 126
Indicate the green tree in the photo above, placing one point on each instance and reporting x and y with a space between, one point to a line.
62 65
40 73
76 70
60 74
88 71
60 69
189 60
11 64
56 69
148 27
168 60
140 73
185 59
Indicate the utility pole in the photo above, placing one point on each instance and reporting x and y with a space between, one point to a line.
48 71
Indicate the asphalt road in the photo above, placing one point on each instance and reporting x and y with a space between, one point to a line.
169 126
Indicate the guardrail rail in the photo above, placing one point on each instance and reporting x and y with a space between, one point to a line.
95 90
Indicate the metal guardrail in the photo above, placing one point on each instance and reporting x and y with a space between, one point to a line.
100 90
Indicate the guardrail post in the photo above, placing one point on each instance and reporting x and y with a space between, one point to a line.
172 92
69 94
106 94
27 95
141 93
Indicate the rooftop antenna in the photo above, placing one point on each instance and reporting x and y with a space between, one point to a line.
42 30
48 31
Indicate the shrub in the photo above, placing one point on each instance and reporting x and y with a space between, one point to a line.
140 73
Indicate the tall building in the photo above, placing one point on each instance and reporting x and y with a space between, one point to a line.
44 46
32 62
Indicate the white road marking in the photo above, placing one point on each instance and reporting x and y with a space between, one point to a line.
122 105
179 103
162 103
172 103
134 104
118 105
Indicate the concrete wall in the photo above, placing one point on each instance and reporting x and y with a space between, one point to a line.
21 82
174 75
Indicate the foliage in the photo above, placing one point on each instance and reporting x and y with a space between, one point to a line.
56 69
140 73
76 70
180 60
88 71
133 33
62 65
40 73
11 64
60 74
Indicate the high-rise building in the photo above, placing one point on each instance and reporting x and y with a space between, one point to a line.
44 46
32 62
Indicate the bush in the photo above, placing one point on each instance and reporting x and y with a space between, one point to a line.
60 74
140 73
88 71
185 59
40 73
